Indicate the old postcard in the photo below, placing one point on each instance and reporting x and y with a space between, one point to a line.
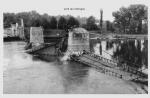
75 47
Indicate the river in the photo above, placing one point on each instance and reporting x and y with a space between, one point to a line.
27 74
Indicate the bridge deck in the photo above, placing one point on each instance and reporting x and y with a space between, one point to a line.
110 67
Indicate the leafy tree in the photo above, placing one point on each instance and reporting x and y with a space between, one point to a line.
101 19
62 23
109 26
53 23
9 18
72 22
131 19
122 18
26 17
91 23
36 23
45 21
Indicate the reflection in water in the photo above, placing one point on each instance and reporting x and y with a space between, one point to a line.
24 73
74 75
131 52
47 58
109 44
100 48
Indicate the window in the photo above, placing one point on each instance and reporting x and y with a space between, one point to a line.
77 36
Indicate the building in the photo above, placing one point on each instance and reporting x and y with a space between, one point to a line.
15 31
7 32
78 40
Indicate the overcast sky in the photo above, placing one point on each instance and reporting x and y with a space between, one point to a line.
56 7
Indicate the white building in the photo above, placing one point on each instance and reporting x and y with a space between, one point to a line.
15 30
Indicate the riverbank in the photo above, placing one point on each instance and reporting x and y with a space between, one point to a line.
9 39
118 36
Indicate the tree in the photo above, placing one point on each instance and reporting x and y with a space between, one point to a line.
101 19
62 23
9 18
131 19
140 14
122 18
107 25
53 23
91 23
45 21
36 23
72 22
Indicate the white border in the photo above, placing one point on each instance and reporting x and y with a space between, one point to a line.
32 2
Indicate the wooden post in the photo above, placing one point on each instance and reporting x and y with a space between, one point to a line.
121 76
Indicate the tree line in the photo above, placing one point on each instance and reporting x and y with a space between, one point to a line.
127 20
35 19
48 22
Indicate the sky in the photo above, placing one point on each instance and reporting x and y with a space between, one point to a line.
56 7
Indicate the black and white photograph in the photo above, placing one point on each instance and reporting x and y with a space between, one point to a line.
75 46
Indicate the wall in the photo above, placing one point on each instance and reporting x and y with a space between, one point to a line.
78 45
36 35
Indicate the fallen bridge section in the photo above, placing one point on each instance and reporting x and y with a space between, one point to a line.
110 67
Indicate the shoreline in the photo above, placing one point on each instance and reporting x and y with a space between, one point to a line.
97 36
118 36
9 39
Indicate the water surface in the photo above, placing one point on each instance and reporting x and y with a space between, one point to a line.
27 74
